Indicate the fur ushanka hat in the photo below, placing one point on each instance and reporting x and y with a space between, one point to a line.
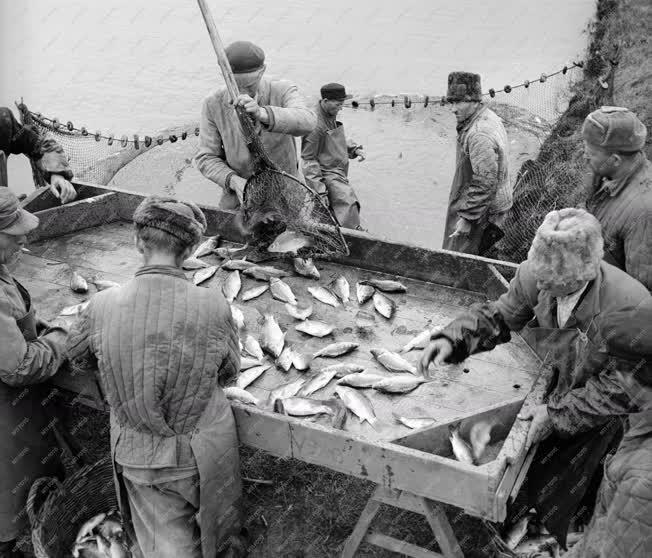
463 86
568 247
183 220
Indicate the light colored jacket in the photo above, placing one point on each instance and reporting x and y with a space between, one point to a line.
222 149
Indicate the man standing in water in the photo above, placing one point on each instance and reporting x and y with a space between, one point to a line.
278 110
481 193
325 155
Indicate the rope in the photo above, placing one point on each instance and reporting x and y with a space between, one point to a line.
406 100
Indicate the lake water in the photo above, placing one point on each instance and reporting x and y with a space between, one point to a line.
136 66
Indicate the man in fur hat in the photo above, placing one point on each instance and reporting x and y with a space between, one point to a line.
554 300
163 348
277 108
621 527
481 193
620 188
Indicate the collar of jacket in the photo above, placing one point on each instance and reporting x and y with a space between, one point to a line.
614 187
466 124
161 270
640 424
327 118
5 276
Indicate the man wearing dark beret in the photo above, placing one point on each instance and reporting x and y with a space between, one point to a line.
481 193
163 348
620 188
325 155
276 106
621 526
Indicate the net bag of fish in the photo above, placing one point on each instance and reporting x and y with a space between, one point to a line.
78 516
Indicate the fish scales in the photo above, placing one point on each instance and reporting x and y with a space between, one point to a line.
324 295
337 349
281 291
317 382
306 268
385 306
251 375
254 292
363 292
357 403
231 286
272 338
207 247
314 328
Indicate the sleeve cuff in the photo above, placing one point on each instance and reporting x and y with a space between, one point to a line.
272 120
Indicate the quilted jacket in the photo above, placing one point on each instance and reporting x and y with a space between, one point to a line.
161 346
624 209
622 522
596 395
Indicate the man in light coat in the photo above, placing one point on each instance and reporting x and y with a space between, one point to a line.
621 526
620 188
163 348
325 155
481 193
554 301
280 114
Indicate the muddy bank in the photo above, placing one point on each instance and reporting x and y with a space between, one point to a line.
617 71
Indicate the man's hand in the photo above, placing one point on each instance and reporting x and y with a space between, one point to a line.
62 189
541 426
360 154
253 108
436 352
461 227
237 184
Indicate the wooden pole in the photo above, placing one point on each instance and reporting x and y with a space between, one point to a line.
222 60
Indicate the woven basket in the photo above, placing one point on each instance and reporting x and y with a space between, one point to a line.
56 521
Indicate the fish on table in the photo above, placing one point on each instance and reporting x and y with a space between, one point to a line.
358 404
286 358
420 341
103 284
246 362
238 394
193 263
363 292
286 390
461 449
237 265
207 247
224 252
340 286
272 337
385 285
205 274
384 305
77 283
297 312
301 361
264 272
393 361
305 268
414 422
253 347
344 369
318 381
254 292
289 242
314 328
361 380
250 375
337 349
324 295
281 291
74 310
399 384
238 317
232 285
303 406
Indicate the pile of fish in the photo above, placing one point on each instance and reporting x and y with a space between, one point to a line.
472 451
102 537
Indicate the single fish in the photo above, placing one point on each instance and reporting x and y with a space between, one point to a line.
361 380
254 292
271 336
299 313
225 253
77 283
418 342
479 436
89 526
518 531
76 309
341 288
103 284
193 263
207 246
318 381
322 294
232 285
242 395
286 390
301 361
386 286
363 292
393 361
204 274
337 349
345 369
315 328
251 375
289 242
385 306
358 404
414 422
237 265
306 268
238 316
281 291
286 358
246 362
253 347
303 406
264 272
461 449
399 384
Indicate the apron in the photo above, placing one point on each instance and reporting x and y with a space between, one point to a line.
564 470
29 445
214 444
343 200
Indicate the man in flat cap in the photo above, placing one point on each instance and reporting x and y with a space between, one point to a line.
554 301
276 106
481 193
325 155
48 155
620 188
163 348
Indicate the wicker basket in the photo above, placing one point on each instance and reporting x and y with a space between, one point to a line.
56 521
